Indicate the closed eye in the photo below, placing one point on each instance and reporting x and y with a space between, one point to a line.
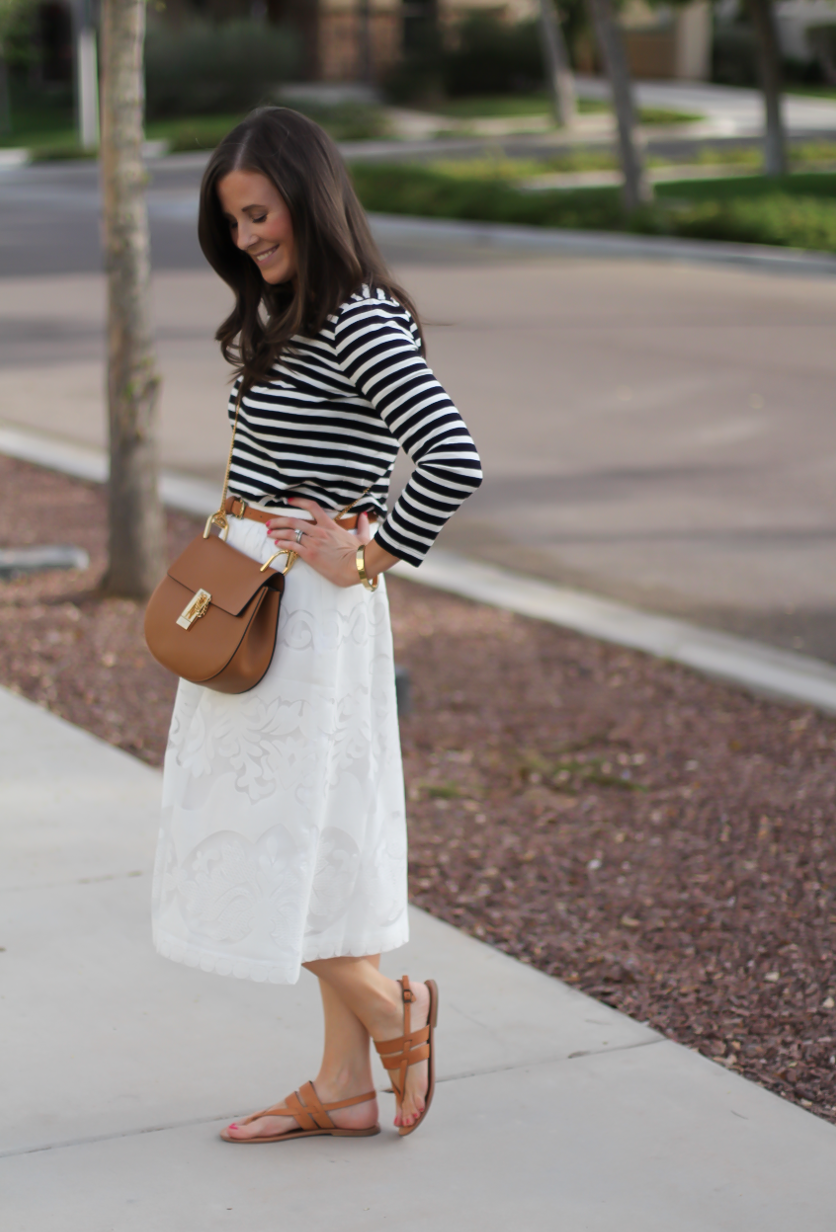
233 223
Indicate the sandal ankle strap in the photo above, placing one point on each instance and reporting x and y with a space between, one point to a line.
409 1049
306 1107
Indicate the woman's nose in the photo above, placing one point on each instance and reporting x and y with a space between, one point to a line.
244 237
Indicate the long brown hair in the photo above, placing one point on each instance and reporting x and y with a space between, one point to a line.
335 252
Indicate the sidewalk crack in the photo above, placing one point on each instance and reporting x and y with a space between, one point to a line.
128 1133
91 1139
589 1052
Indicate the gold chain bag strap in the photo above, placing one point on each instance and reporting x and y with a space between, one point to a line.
213 617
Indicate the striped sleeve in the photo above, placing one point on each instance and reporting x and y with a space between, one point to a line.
377 348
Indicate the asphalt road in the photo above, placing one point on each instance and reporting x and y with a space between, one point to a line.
49 217
658 433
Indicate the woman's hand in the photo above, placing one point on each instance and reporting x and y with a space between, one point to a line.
326 546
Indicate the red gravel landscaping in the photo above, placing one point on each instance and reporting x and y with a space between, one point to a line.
661 841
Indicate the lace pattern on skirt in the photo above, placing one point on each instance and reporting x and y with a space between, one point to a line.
283 834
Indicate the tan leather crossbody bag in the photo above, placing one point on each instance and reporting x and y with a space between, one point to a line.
213 617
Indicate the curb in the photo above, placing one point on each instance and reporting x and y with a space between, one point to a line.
750 664
737 660
505 236
181 492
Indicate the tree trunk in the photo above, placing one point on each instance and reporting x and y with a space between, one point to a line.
636 189
762 14
5 97
136 518
558 70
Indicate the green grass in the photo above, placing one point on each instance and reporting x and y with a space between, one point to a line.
809 184
491 106
809 156
436 192
37 116
197 133
200 133
49 138
40 131
46 126
663 115
796 211
512 106
813 91
348 122
495 106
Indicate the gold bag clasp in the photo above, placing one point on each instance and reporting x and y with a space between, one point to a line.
197 606
217 519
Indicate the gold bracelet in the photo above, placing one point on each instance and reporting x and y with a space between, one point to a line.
360 561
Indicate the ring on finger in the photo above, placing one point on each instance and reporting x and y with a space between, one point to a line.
299 534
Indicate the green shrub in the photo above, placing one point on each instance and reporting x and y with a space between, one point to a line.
798 211
493 57
407 188
814 184
347 121
734 54
416 78
781 219
204 69
821 39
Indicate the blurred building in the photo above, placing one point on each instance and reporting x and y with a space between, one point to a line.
667 41
365 39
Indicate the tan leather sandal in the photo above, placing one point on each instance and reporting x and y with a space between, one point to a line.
398 1054
305 1107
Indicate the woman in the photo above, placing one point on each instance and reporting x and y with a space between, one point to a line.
283 841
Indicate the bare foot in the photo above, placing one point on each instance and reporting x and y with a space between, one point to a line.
417 1076
358 1116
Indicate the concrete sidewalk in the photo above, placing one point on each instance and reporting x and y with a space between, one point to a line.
553 1111
737 111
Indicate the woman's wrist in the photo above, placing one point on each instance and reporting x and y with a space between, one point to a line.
376 560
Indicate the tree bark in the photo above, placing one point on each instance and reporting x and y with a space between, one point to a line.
762 14
558 70
636 188
5 97
136 519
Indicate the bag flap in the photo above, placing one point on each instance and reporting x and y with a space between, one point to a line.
231 577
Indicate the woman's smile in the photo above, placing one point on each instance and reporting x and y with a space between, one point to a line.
266 255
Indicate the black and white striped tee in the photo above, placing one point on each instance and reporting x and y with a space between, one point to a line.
331 417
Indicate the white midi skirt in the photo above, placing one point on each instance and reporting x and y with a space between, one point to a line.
283 834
